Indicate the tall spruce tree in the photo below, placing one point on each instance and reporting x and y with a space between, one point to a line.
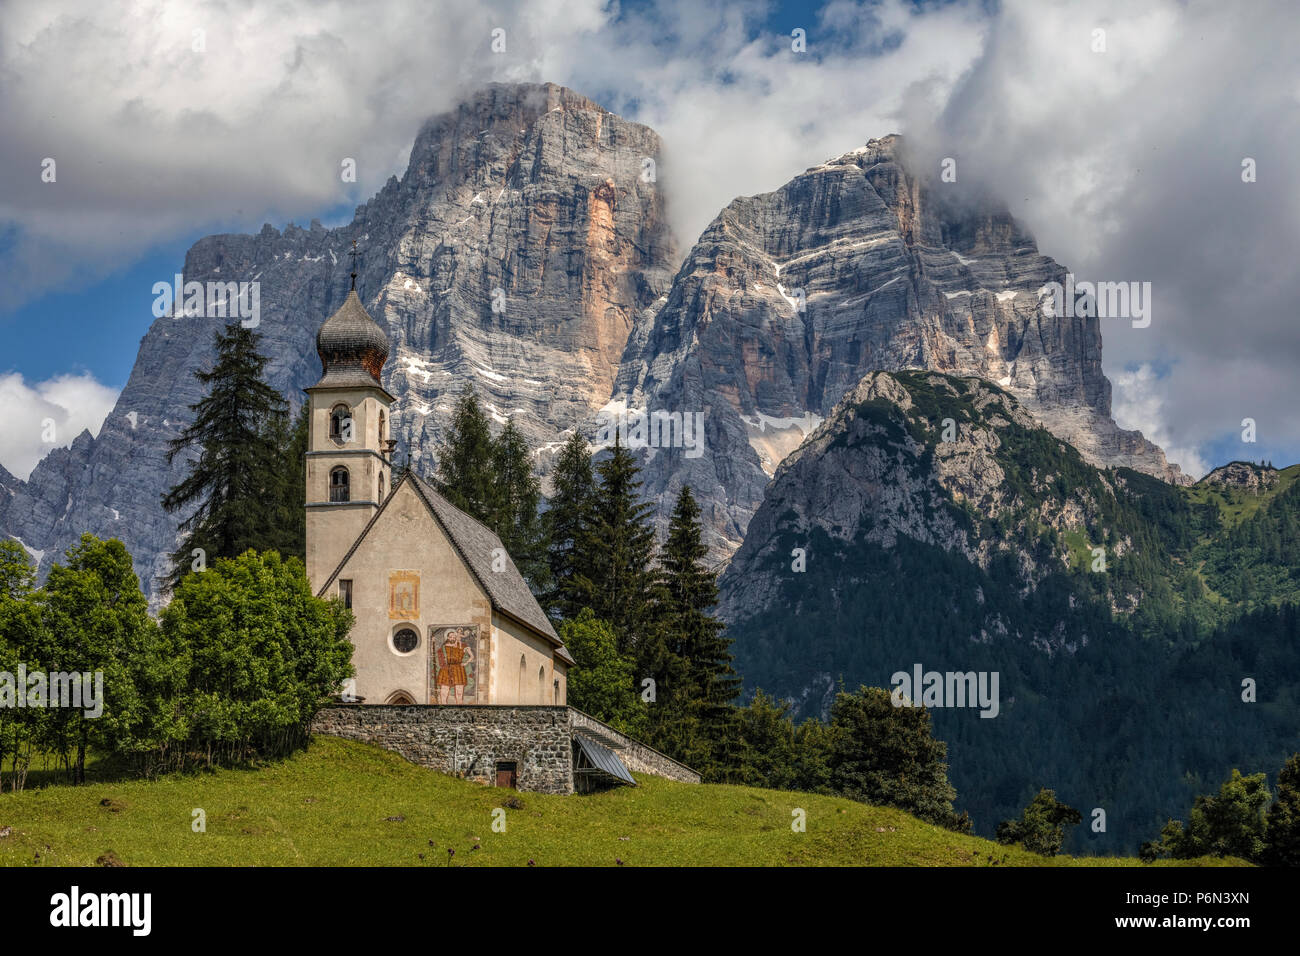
492 479
613 566
570 510
516 497
697 718
236 485
291 524
466 469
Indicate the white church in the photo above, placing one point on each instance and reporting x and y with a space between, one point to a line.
443 616
457 667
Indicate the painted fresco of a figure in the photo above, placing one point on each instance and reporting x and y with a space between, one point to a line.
454 655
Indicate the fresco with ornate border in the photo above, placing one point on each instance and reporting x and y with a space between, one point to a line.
455 664
403 595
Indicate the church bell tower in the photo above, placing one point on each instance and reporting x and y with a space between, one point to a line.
348 468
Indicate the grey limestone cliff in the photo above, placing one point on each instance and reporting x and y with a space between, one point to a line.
515 253
789 298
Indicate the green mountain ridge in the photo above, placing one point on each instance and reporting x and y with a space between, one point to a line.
940 525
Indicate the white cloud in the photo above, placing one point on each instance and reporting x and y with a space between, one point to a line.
153 139
1139 402
46 415
741 113
1124 164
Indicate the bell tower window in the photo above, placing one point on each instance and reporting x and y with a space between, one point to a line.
341 424
339 485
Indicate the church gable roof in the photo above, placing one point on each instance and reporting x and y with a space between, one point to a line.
476 543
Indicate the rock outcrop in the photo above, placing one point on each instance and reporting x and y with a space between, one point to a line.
791 297
1250 478
882 468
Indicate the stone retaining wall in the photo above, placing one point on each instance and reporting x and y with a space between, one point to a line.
470 740
467 741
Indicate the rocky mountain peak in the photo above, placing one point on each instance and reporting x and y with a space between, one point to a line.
513 255
525 252
790 297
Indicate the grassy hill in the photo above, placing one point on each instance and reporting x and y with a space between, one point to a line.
331 805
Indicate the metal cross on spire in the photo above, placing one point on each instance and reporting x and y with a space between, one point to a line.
353 254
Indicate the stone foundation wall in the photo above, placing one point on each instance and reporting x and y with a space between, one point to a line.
635 755
467 741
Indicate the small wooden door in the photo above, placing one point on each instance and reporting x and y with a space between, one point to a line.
507 775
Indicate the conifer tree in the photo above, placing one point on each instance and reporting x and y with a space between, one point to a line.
236 484
570 510
699 683
466 468
613 573
516 497
401 467
690 592
291 525
492 479
886 755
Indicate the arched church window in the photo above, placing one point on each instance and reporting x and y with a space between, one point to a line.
339 485
523 670
383 426
555 693
405 640
381 488
400 697
541 685
341 424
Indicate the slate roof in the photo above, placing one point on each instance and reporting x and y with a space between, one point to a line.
475 542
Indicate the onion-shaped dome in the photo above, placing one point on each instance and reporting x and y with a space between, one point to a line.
352 348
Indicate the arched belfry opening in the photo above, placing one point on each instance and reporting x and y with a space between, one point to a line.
340 485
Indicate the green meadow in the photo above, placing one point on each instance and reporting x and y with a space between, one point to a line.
341 803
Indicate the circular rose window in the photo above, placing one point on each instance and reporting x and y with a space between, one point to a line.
405 641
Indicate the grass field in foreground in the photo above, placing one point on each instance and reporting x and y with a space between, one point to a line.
329 806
